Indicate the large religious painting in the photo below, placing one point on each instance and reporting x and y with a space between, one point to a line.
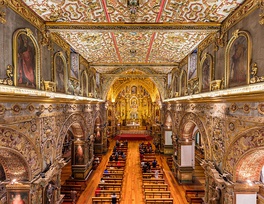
26 59
18 197
192 65
60 73
74 68
206 72
238 56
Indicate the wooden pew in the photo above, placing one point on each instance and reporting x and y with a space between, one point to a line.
111 166
151 175
157 194
151 181
103 200
194 195
110 186
159 200
113 175
112 181
108 193
76 182
155 187
115 170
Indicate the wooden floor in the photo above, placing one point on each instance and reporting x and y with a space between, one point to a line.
132 192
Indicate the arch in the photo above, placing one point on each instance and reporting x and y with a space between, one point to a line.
108 84
142 83
77 122
249 166
188 123
14 165
244 146
20 143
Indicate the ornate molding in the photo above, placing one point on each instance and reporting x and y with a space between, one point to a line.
261 15
253 72
60 42
21 9
58 26
193 86
215 85
206 42
10 75
2 13
240 13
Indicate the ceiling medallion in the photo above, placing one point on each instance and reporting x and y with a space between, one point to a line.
133 6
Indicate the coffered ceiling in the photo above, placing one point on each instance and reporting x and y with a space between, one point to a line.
115 33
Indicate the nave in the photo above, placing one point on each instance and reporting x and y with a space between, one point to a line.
132 191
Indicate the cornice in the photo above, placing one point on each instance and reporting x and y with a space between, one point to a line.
21 9
60 42
240 13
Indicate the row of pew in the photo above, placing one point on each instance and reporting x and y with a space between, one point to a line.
155 188
112 179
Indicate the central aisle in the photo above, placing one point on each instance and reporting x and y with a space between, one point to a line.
132 184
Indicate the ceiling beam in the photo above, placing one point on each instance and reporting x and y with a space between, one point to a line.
112 27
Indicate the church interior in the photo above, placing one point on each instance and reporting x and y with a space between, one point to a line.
131 101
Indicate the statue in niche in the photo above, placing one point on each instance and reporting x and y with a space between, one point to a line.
133 103
133 90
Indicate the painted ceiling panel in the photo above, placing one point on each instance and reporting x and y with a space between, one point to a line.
174 46
134 46
94 46
198 11
67 10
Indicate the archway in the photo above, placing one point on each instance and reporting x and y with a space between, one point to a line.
188 165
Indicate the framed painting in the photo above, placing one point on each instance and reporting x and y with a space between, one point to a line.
74 67
26 57
238 57
206 72
192 65
18 197
60 72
